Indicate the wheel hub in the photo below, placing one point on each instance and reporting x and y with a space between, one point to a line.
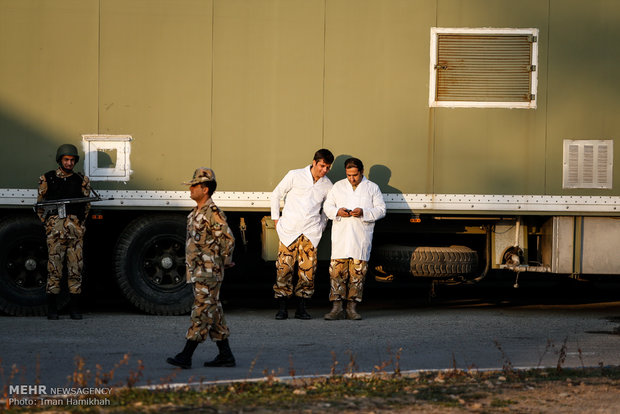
30 264
167 262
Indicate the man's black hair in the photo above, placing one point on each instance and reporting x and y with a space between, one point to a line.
354 163
325 155
211 185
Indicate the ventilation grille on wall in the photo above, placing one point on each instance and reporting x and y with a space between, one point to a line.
483 67
588 164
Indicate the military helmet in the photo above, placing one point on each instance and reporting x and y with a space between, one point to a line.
67 149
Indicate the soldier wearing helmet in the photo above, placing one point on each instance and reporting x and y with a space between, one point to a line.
65 235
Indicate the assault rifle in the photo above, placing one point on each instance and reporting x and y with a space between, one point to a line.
60 206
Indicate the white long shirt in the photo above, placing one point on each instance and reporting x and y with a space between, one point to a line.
303 202
352 236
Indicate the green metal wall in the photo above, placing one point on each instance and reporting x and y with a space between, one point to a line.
376 93
583 78
155 68
48 83
253 87
268 60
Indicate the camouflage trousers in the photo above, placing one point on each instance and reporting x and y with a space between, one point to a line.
347 279
207 315
303 252
58 250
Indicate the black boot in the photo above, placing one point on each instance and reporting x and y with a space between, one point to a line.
184 359
283 310
52 307
74 306
301 313
225 358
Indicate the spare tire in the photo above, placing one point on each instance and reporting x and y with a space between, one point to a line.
427 262
149 260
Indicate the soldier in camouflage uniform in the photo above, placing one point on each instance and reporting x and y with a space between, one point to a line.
208 251
354 204
300 228
65 236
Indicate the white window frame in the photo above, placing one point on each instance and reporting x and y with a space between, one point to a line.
436 31
92 144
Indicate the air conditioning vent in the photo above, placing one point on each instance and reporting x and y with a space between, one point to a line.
484 67
588 164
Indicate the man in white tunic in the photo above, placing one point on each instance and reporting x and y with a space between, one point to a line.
354 204
299 229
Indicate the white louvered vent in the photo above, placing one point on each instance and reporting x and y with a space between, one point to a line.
588 164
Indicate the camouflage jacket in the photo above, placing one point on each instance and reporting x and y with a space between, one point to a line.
209 244
70 227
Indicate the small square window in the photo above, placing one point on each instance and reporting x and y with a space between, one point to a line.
107 157
483 68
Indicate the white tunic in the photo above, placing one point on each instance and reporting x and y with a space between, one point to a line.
352 236
303 202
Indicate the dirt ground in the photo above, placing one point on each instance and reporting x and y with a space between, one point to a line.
575 395
601 396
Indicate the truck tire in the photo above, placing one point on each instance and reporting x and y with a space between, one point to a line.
428 262
149 260
23 266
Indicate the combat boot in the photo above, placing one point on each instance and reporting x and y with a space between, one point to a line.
52 307
301 312
351 313
74 306
225 358
336 313
184 358
283 310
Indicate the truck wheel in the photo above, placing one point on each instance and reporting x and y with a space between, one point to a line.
23 266
428 262
149 260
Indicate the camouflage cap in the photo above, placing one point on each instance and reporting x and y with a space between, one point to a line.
201 175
